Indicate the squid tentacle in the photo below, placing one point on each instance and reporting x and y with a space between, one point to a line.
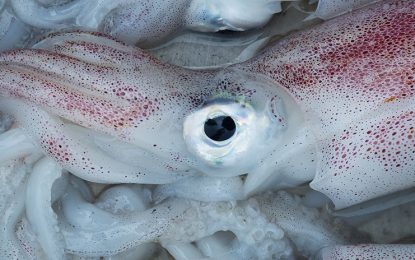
117 200
174 222
126 232
76 152
38 204
309 229
10 246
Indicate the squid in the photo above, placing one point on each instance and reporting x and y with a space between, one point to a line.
333 106
93 98
189 25
138 21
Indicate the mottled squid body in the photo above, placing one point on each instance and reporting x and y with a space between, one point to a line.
335 103
354 79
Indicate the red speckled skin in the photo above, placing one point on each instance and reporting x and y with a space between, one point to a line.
354 78
101 84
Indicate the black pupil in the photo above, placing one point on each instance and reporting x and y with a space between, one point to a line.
220 128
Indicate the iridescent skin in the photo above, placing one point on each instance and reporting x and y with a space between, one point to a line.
344 89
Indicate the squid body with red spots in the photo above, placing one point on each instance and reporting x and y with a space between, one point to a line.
333 105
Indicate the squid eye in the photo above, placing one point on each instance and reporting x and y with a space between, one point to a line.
220 128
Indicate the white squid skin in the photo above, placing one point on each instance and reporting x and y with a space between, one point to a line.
327 9
146 22
360 113
336 101
313 98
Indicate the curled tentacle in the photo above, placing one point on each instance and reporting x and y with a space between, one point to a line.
117 200
38 205
306 227
173 221
122 233
10 245
12 209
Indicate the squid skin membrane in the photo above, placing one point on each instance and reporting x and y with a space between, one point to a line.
327 9
202 189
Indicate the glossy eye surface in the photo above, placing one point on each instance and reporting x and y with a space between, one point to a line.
228 134
220 128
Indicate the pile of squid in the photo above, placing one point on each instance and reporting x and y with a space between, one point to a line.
107 152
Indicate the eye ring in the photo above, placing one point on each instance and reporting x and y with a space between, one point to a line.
220 128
